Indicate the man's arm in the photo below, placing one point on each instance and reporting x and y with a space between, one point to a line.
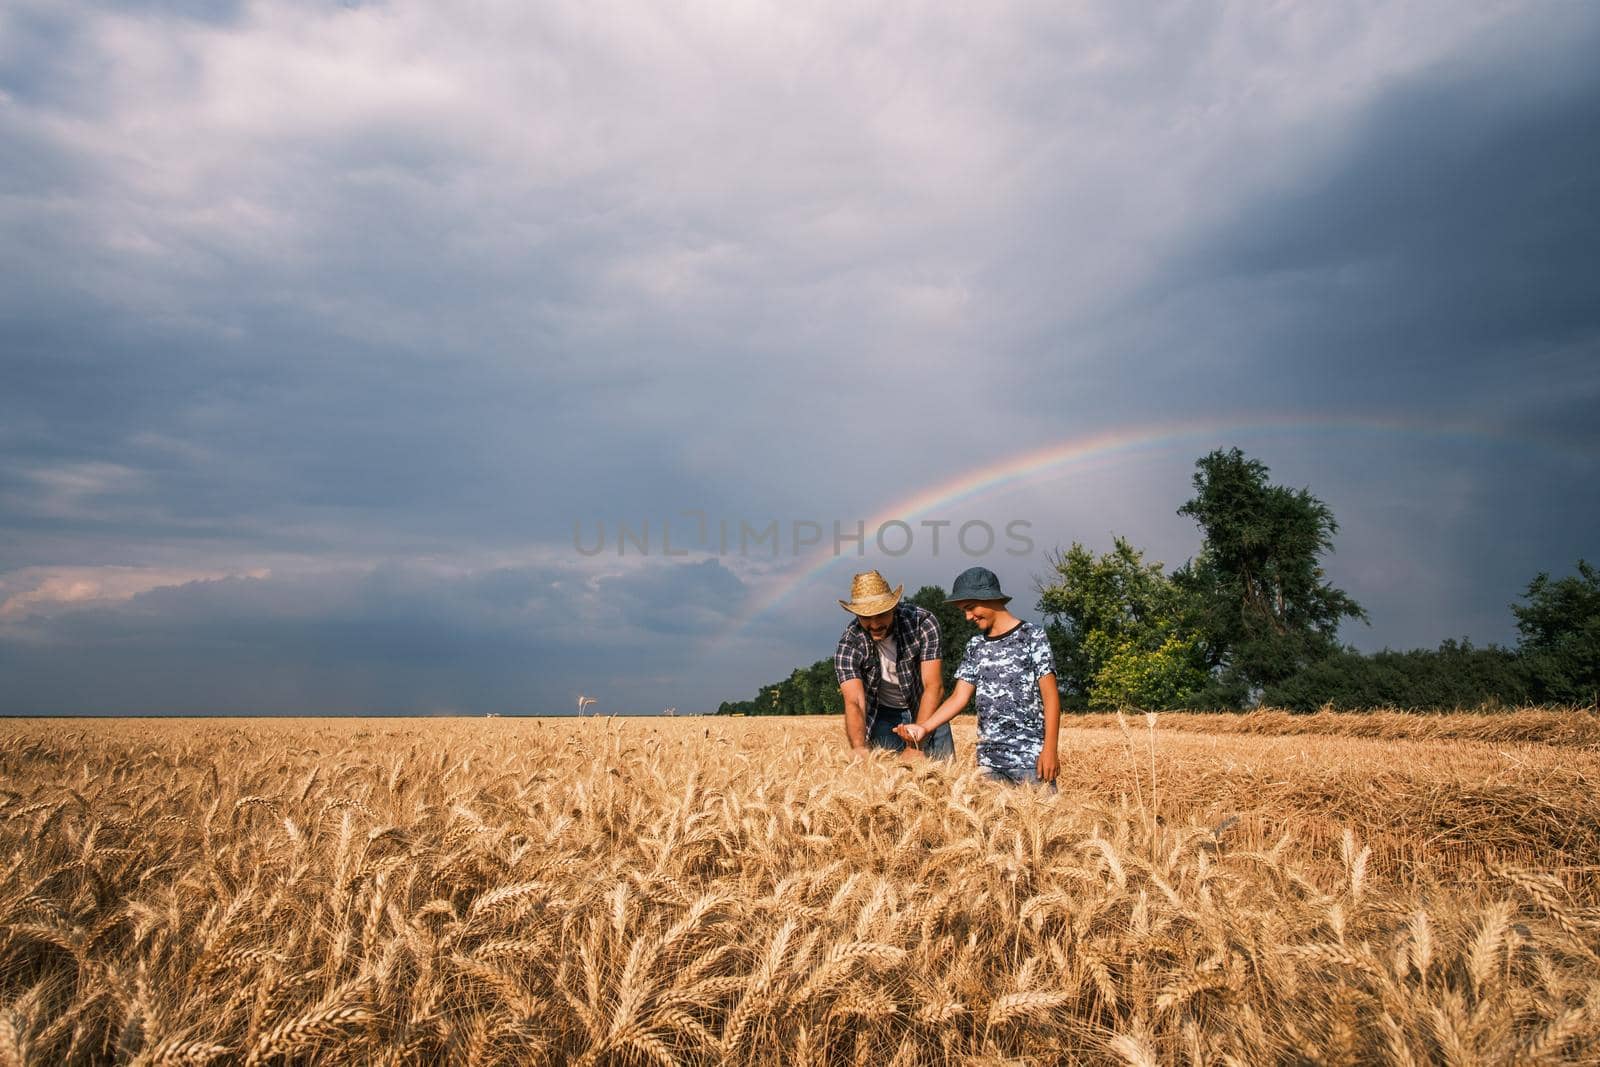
847 669
932 690
916 731
1048 765
855 714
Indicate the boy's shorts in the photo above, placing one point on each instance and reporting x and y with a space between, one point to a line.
1014 776
938 745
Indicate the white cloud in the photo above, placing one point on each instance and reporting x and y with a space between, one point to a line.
71 490
787 142
49 590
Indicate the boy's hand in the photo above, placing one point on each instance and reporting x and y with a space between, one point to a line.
1046 767
911 732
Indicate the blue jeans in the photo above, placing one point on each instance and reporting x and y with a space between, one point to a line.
937 745
1014 776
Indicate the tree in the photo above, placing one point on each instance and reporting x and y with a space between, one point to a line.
1134 674
1560 628
1257 587
1456 675
1117 629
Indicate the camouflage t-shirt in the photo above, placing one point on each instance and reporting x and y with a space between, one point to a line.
1005 671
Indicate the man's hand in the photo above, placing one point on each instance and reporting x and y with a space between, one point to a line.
860 752
911 733
1047 767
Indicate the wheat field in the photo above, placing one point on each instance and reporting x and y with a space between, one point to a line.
688 891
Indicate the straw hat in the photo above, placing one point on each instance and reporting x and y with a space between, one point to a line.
870 595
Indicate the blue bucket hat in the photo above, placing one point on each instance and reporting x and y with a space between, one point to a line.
976 583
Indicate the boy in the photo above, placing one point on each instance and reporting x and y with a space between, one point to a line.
1010 668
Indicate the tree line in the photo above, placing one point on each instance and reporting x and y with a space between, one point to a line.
1252 619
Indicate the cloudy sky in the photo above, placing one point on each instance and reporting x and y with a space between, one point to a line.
335 339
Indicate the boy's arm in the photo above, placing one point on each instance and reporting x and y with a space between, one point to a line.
932 690
931 661
915 732
1048 765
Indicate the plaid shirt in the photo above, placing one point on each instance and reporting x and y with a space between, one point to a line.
916 638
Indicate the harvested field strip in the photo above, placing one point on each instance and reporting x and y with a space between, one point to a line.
1424 807
1579 727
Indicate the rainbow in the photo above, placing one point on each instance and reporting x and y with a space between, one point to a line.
1057 458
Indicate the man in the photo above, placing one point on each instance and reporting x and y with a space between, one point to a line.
887 663
1008 665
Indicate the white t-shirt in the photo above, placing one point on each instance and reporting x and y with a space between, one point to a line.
890 695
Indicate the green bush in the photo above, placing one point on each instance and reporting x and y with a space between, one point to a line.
1456 675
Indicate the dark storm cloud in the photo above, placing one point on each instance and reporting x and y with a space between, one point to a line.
1438 267
274 422
378 301
344 332
36 41
396 639
1446 257
686 598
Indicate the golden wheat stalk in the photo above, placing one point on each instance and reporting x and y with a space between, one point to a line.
311 1028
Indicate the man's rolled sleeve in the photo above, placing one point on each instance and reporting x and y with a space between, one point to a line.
846 660
928 638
